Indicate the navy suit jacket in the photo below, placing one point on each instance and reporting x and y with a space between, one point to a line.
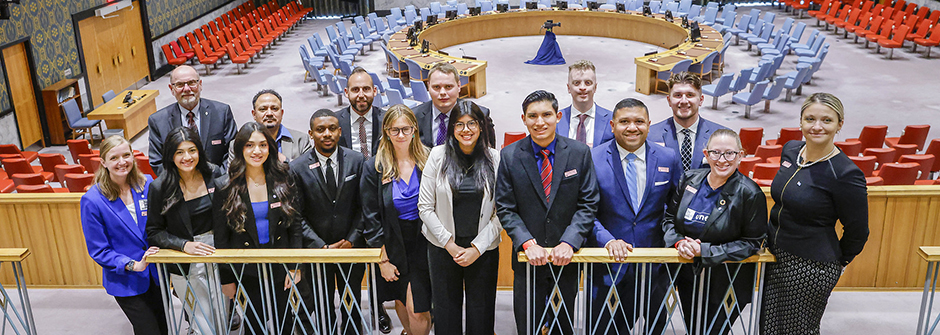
114 239
216 129
602 119
664 133
425 115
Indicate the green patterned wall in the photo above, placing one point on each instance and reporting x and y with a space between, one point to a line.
165 15
48 24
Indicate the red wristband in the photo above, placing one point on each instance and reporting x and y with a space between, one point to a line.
677 244
527 244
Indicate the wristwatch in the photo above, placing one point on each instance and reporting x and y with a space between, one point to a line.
130 265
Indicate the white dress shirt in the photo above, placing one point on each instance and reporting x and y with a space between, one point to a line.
354 132
692 129
574 122
322 159
197 118
640 164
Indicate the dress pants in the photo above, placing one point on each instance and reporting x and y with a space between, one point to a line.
145 311
200 313
544 285
256 313
336 274
626 316
718 282
452 283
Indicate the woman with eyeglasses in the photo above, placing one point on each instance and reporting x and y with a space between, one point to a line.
389 188
458 209
716 215
816 186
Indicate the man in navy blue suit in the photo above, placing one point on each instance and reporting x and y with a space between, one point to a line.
595 127
635 178
546 196
685 97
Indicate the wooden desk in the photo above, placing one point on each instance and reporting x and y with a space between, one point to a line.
631 26
131 118
474 69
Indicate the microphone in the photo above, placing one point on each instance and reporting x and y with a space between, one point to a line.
464 53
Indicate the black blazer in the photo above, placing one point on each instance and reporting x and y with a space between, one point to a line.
332 217
425 115
173 230
735 229
345 118
216 117
380 217
568 216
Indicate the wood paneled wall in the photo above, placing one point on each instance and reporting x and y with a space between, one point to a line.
901 218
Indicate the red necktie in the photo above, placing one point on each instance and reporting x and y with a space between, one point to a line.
191 119
546 173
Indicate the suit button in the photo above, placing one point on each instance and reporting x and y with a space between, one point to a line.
246 244
548 221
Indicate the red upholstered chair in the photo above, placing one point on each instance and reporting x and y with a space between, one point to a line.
510 137
866 164
49 161
774 160
764 173
911 135
171 58
747 165
33 179
767 151
904 149
882 155
79 182
79 147
750 138
9 149
786 135
62 170
871 137
874 181
144 165
85 160
899 173
925 162
934 149
19 165
44 188
850 148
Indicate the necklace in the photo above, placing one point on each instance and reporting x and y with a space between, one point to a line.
257 184
805 165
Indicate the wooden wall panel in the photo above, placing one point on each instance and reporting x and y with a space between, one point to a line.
23 94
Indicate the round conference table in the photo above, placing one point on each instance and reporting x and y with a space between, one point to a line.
520 22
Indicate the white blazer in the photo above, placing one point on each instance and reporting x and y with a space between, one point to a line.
438 216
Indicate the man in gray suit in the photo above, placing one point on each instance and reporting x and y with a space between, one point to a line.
213 120
444 88
266 110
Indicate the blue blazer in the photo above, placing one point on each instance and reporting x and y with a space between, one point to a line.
113 239
602 119
664 133
616 217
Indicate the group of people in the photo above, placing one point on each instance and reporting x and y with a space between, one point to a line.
412 181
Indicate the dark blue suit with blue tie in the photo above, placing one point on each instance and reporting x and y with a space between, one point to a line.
664 133
617 218
602 118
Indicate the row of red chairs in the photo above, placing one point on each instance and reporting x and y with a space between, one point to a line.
178 53
887 26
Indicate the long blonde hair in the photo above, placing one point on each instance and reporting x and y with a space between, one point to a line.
385 161
108 187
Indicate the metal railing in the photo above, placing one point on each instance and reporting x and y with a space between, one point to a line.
926 322
259 292
17 316
648 293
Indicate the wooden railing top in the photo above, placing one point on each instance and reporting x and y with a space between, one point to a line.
646 255
356 255
13 254
40 198
930 254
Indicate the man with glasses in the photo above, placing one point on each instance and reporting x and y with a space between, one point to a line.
212 120
361 122
686 131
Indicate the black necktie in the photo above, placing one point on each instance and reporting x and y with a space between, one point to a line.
685 151
330 178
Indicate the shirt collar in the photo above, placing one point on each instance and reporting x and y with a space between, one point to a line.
195 109
693 128
283 132
640 153
538 149
439 112
590 112
368 115
322 159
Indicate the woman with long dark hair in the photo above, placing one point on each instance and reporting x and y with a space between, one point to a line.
258 210
181 219
114 214
389 187
457 207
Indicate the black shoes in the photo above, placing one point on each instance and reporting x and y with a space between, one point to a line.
385 323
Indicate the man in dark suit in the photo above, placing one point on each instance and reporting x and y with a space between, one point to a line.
685 97
328 177
213 120
635 178
595 127
546 195
444 88
361 123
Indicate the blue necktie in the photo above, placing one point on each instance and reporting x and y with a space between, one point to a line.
630 174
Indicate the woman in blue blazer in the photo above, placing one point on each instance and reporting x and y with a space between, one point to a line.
114 216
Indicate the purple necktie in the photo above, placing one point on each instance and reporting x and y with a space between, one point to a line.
441 129
581 135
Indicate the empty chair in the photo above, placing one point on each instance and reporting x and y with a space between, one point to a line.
144 165
78 123
773 92
751 138
20 166
12 149
91 163
797 32
899 173
718 89
711 13
751 98
420 92
49 162
107 96
882 155
785 135
511 137
78 147
382 86
79 182
866 164
663 76
932 41
850 148
934 149
415 72
394 98
747 164
904 149
871 136
767 151
334 87
764 173
740 82
44 188
62 170
925 163
741 28
395 83
795 79
704 68
914 134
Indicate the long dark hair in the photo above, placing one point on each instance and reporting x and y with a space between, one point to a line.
171 173
478 165
275 172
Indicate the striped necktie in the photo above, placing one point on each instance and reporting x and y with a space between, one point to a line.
546 173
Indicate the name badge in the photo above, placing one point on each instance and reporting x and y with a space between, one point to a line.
276 205
691 189
314 165
662 144
211 190
349 178
143 213
142 204
786 164
216 142
571 172
689 214
663 169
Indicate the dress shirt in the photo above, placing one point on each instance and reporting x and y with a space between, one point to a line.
588 124
132 208
281 134
538 153
434 125
322 159
354 131
640 164
693 129
197 118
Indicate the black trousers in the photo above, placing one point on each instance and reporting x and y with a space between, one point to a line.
145 311
544 285
334 280
628 295
452 283
256 317
716 319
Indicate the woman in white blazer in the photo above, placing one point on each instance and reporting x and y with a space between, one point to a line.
458 209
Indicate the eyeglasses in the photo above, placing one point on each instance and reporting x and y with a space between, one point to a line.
180 85
473 125
408 130
728 155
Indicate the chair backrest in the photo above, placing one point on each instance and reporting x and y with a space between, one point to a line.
682 66
751 138
462 8
901 33
873 136
143 163
331 84
742 25
767 151
107 96
711 13
755 15
512 137
899 173
655 5
394 96
724 83
420 91
685 6
27 179
915 134
435 7
61 170
415 71
934 149
765 170
773 92
377 82
788 134
78 147
49 162
395 84
729 16
72 111
757 93
486 6
741 82
798 31
78 182
865 163
34 189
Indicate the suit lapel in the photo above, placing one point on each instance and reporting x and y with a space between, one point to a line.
319 182
563 123
175 117
376 129
669 135
204 123
340 157
559 167
651 161
389 204
613 158
118 207
525 155
601 117
701 139
345 121
250 226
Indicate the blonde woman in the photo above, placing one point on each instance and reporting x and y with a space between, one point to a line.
389 188
114 215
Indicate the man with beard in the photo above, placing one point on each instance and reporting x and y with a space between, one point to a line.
685 97
267 111
361 122
328 177
444 88
212 120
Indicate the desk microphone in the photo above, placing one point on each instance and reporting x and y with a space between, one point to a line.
127 98
464 53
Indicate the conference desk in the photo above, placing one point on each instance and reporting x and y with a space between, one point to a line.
630 26
118 115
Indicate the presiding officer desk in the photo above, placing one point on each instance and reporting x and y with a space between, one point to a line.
520 22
